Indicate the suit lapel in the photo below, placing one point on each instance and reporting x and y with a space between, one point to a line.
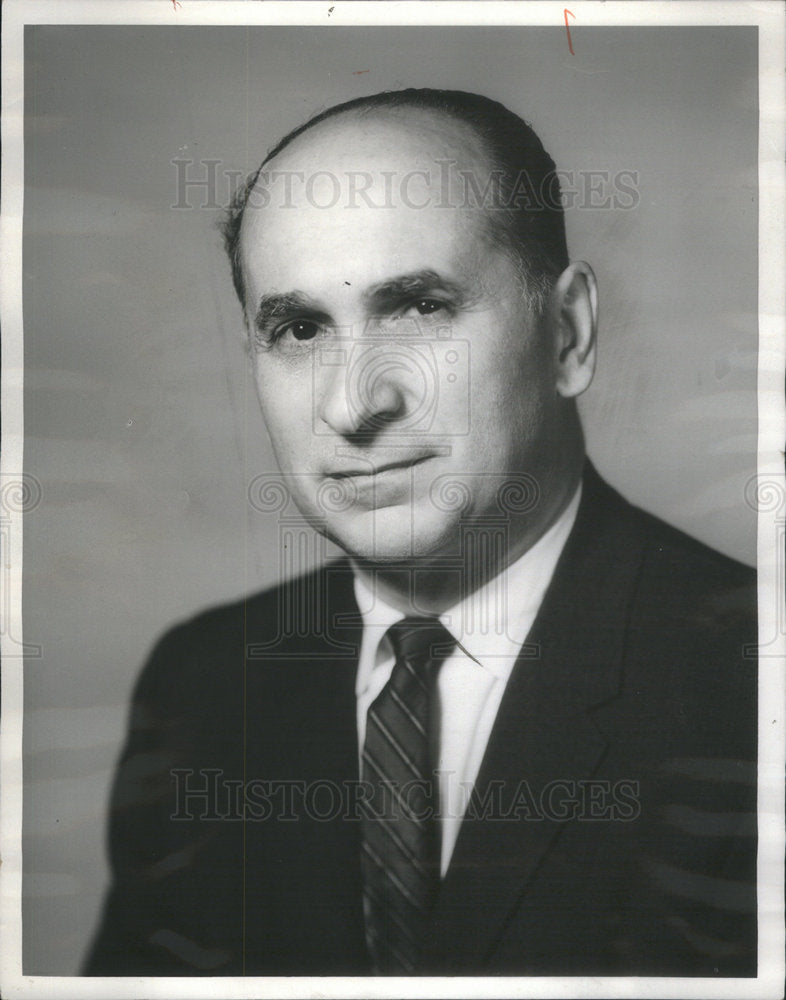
544 740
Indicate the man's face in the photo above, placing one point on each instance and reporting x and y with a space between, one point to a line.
402 376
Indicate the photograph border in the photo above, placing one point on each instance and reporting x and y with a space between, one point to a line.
17 492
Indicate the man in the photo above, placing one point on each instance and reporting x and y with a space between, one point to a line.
519 736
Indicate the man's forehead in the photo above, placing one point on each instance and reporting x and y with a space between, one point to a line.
364 194
358 255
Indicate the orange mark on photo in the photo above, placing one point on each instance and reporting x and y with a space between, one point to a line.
567 28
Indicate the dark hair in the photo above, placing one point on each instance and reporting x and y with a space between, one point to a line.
533 231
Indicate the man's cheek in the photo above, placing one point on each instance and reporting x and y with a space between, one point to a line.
289 429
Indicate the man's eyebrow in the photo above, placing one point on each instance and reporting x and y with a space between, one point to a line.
280 305
379 297
407 286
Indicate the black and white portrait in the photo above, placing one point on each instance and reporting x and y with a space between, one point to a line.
397 452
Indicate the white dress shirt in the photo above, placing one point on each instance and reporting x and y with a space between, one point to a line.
490 626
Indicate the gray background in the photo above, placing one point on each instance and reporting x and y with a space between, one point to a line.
141 424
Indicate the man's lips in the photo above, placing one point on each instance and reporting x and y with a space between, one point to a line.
367 471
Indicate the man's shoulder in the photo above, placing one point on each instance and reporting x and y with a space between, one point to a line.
672 566
259 612
213 645
685 616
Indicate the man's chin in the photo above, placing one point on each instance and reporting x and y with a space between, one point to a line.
390 536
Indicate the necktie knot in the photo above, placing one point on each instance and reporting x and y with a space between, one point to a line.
420 641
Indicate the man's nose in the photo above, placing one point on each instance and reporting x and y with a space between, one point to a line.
362 389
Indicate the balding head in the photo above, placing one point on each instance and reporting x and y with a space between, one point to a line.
480 156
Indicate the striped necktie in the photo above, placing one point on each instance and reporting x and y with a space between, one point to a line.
400 859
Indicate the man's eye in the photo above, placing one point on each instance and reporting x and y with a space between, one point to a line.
299 329
423 307
426 306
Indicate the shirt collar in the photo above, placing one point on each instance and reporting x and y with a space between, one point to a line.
490 624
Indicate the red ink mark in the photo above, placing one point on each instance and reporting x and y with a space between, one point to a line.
176 4
357 72
567 28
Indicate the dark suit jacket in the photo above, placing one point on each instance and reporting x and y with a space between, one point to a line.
614 824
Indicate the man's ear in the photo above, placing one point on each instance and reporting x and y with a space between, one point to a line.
574 319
